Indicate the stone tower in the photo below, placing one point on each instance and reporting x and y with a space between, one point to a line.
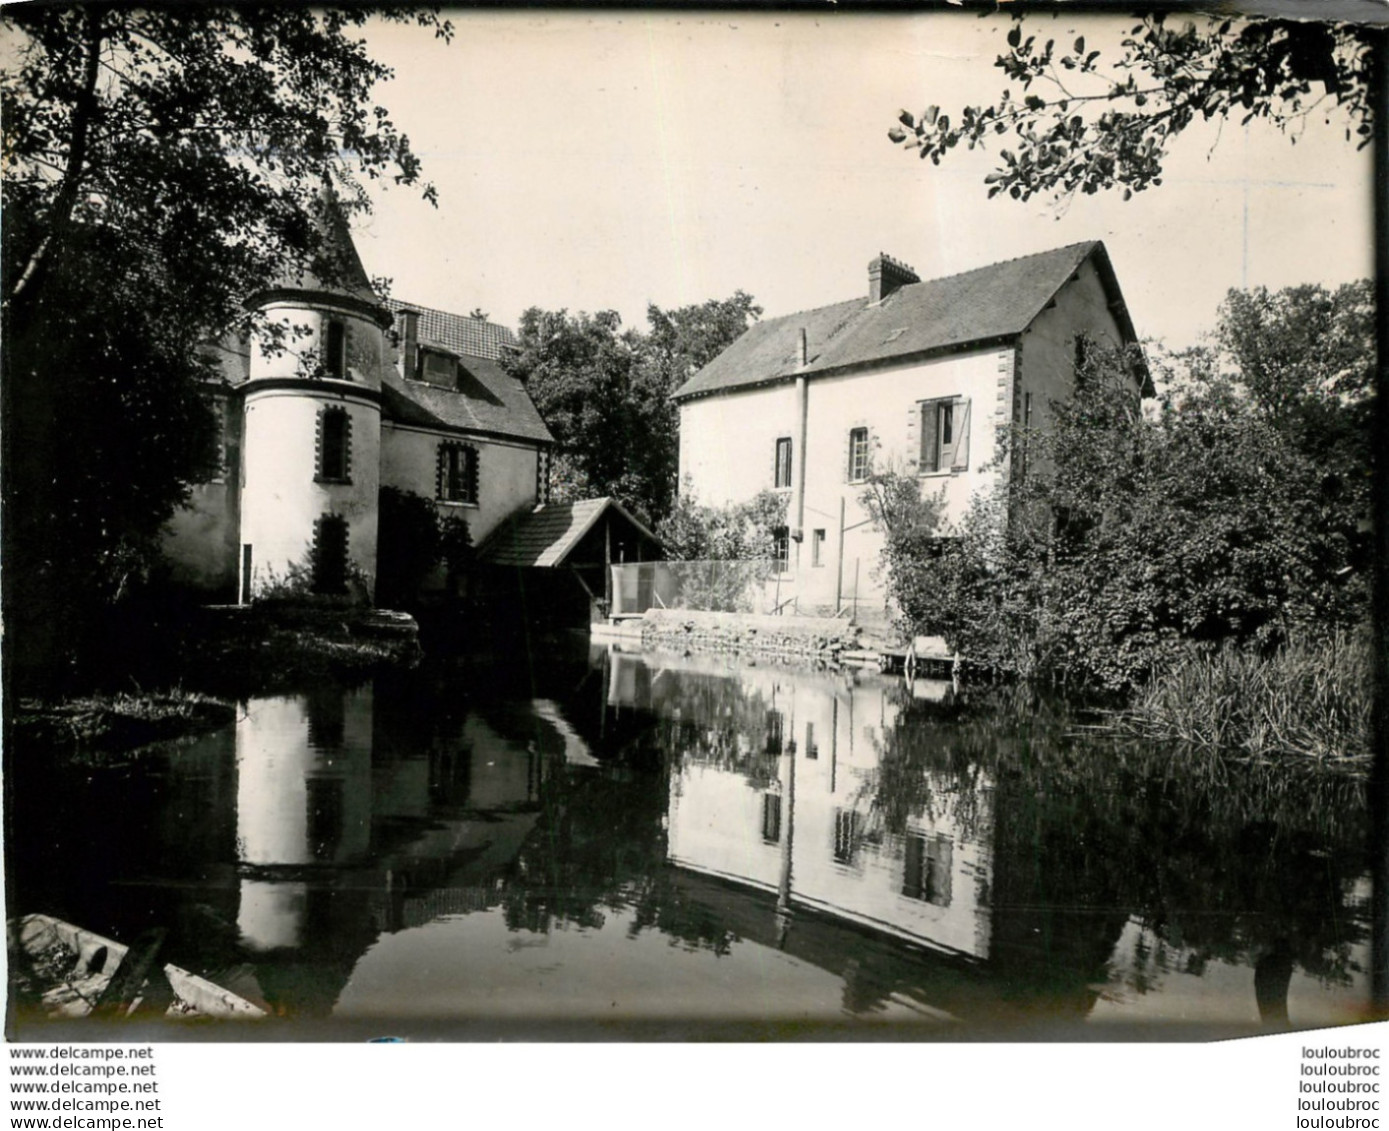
312 430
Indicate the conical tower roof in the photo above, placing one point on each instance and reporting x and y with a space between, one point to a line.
335 268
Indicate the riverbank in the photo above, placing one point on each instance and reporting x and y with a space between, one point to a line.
241 650
229 653
96 725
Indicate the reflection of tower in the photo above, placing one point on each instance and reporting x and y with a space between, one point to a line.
303 798
312 439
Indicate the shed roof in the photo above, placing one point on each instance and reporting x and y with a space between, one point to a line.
990 303
547 535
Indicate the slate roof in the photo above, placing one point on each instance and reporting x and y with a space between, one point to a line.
454 333
488 401
990 303
336 267
548 534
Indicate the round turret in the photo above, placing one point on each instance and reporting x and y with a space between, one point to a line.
311 452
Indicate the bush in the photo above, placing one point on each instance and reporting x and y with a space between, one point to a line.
1137 540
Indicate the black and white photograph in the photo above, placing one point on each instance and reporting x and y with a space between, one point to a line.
688 526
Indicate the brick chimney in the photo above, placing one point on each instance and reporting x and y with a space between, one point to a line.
885 275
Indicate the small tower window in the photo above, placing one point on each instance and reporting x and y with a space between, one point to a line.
335 350
334 445
457 474
328 554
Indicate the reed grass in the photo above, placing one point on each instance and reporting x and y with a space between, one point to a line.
1307 701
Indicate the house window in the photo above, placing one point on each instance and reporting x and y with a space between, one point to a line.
847 832
858 455
781 549
811 750
783 462
328 554
817 548
334 445
944 435
771 817
457 474
774 732
335 350
928 871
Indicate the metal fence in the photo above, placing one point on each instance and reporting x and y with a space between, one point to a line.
762 586
715 586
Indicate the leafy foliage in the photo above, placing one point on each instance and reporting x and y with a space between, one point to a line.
605 393
1133 539
1081 118
161 165
413 540
738 532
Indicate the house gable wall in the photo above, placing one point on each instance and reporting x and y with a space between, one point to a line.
200 539
728 449
507 473
1046 366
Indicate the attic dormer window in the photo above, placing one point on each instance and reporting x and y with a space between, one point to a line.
335 350
436 368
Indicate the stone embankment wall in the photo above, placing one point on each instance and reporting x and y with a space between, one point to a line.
683 630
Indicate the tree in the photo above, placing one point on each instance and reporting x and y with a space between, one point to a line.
1306 358
1145 537
161 165
605 393
743 531
1080 118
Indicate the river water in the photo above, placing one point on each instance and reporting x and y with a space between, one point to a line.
671 845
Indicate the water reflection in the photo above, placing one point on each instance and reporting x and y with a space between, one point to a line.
640 837
780 792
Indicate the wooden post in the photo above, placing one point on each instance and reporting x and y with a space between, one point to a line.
839 580
608 562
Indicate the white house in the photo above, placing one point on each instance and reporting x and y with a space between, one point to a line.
917 376
378 394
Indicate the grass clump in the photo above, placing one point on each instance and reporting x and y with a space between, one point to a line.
1305 701
113 722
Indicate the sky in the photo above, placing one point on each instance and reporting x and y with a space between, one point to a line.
596 161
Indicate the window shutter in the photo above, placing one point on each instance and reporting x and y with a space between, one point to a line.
470 474
930 436
939 868
961 459
440 470
911 877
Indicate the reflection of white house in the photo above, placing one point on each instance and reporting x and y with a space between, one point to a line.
379 394
819 818
918 376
